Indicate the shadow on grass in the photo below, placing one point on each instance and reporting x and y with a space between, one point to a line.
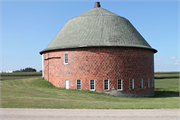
159 94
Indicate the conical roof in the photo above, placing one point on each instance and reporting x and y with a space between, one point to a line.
97 27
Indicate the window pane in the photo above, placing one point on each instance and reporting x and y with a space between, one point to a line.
148 83
141 83
106 84
78 84
119 84
66 60
66 57
131 86
91 84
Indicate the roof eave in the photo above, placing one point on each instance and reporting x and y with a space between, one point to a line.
85 46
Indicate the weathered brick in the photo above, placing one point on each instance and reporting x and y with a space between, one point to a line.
102 63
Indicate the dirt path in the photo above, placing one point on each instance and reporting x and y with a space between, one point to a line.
89 114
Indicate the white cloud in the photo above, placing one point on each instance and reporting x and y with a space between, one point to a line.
157 59
172 58
160 64
177 62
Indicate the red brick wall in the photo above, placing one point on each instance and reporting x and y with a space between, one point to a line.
99 64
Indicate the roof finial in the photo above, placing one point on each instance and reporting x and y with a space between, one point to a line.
97 4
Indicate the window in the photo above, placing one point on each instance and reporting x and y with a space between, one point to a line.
106 84
152 83
78 84
148 83
92 85
66 58
141 83
119 84
131 84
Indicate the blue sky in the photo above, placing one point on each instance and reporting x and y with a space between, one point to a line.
28 26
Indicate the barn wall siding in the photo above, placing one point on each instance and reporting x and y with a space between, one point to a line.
110 63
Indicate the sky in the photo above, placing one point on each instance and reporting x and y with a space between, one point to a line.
28 26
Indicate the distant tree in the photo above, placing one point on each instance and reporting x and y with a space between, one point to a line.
40 71
26 70
29 70
16 71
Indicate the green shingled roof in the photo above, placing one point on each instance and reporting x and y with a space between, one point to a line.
95 28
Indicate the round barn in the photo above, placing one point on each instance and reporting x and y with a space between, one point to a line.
100 51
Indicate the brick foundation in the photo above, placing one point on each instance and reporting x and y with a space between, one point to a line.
97 63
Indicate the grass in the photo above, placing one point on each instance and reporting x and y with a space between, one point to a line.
167 87
34 92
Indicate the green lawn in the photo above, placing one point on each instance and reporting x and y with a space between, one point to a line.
34 92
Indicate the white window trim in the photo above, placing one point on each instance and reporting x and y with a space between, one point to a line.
90 85
132 84
76 83
142 83
121 85
64 58
108 84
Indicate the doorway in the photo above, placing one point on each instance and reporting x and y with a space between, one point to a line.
66 84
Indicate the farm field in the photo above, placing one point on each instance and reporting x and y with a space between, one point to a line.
162 75
20 75
23 91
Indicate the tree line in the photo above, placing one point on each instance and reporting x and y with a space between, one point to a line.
26 70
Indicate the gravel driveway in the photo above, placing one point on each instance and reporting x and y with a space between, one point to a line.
89 114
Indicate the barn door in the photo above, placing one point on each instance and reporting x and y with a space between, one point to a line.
67 84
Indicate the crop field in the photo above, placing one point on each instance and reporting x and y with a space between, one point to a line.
163 75
34 92
19 75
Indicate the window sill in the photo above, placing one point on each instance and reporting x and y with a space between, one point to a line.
120 90
92 90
